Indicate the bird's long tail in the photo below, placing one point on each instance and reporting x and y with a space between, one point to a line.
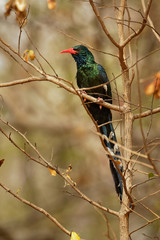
114 153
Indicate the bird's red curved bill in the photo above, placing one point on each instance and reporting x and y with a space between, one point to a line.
70 50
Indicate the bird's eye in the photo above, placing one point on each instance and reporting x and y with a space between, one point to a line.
77 49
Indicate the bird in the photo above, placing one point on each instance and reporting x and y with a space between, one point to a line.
89 75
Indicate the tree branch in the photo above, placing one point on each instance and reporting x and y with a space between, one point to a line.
39 209
150 22
59 81
146 114
102 24
149 222
136 33
47 164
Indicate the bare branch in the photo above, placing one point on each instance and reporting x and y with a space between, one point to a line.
49 165
141 127
149 210
39 209
59 82
86 44
102 23
40 53
149 195
134 34
150 22
149 222
5 50
146 114
128 150
146 181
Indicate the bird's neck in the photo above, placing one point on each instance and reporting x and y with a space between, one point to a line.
82 61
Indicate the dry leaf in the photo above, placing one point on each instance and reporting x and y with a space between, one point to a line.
19 6
8 8
28 54
52 171
51 4
31 55
154 87
1 162
74 236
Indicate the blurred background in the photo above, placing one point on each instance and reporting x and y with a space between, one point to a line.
57 123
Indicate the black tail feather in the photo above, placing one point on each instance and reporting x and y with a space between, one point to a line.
114 154
117 179
103 117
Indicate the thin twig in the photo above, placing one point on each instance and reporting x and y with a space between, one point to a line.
149 195
141 126
49 165
156 34
149 222
149 210
40 53
20 30
5 50
141 183
59 82
146 114
102 24
39 209
86 44
138 32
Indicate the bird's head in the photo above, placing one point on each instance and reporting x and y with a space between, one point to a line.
81 54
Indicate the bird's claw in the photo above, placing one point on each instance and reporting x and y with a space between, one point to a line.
100 100
83 91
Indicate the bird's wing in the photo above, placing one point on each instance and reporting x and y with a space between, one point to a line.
104 79
103 74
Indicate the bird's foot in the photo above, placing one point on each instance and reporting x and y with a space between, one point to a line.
100 100
83 91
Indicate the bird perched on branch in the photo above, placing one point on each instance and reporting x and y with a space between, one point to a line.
89 75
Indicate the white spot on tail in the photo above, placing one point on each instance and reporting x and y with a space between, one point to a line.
111 152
